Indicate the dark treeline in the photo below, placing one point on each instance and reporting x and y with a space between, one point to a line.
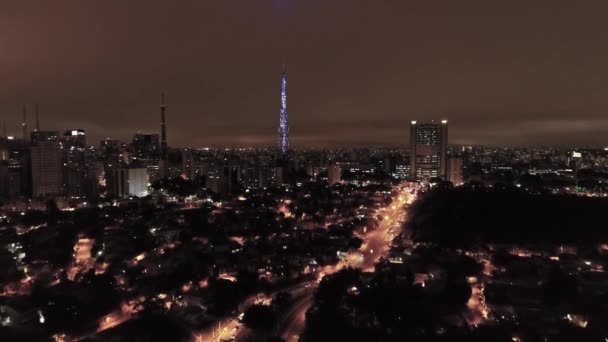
465 216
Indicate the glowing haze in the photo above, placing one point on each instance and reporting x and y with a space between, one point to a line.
516 72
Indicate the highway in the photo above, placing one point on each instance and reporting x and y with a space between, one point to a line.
231 327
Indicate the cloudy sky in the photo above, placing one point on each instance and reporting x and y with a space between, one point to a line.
503 72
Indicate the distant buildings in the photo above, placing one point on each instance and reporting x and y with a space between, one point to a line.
428 145
334 174
189 167
402 171
455 168
39 136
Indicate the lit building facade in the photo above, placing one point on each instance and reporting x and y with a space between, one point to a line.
428 150
129 182
47 168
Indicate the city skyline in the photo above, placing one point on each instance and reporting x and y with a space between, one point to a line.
438 171
523 79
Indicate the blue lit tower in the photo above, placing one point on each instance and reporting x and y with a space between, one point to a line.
283 127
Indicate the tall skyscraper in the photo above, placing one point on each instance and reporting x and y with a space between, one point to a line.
428 150
47 168
163 163
283 126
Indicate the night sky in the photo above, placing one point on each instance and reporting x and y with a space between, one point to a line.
502 72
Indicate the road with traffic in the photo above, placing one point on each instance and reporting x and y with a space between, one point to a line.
376 244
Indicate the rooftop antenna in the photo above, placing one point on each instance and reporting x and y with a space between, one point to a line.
24 123
37 118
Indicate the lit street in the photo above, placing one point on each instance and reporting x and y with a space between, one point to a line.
376 244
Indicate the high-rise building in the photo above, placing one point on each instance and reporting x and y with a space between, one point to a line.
40 136
3 152
93 179
47 168
4 179
17 184
74 143
75 180
283 125
128 182
428 150
20 175
75 137
455 170
146 148
118 181
189 168
402 171
278 176
138 182
334 174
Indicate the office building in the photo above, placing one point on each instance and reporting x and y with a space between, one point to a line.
138 182
47 168
128 182
428 150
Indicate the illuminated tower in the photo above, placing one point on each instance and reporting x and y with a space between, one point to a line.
163 165
283 127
